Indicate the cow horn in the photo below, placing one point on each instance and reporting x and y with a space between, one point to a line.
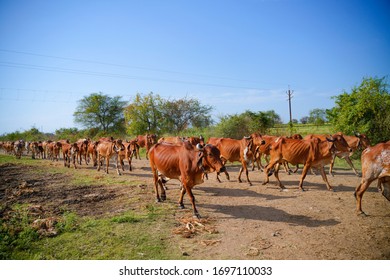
357 134
248 137
199 147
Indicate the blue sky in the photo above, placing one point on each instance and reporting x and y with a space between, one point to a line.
233 55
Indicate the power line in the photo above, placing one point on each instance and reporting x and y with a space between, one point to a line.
111 75
127 66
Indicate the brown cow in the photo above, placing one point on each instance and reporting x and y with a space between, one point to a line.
263 149
186 163
108 149
375 165
53 150
359 141
128 153
145 141
312 153
34 148
69 151
171 139
19 146
235 150
83 150
92 153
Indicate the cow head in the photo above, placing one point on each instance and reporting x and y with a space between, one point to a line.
118 146
209 158
339 145
364 142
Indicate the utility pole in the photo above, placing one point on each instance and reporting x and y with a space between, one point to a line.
289 97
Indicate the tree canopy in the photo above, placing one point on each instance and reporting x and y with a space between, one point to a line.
153 114
101 111
366 109
239 125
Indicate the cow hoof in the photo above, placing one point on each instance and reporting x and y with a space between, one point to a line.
331 190
196 215
163 198
362 214
181 206
158 200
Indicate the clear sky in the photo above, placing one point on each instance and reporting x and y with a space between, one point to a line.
234 55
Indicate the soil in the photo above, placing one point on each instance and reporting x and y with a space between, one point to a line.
238 221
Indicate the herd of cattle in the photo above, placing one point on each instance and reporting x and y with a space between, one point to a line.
191 159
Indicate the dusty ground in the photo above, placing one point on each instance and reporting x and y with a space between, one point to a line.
243 222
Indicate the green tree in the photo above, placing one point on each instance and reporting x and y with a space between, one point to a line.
234 126
101 111
366 109
184 113
71 134
144 114
317 117
240 125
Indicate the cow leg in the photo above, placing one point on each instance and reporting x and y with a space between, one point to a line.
379 185
247 173
359 191
163 194
74 162
349 161
304 173
218 178
99 162
323 174
287 168
107 163
331 165
269 170
276 173
129 160
117 162
182 193
192 199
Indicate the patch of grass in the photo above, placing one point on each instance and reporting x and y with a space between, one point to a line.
127 236
16 232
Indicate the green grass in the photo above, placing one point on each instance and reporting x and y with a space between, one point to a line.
131 235
127 236
145 232
302 129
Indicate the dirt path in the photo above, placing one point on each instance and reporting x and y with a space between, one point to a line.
248 222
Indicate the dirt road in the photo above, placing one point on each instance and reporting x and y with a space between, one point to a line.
248 222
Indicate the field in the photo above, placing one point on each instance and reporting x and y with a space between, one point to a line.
52 212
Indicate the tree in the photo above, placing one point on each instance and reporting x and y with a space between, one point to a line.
240 125
184 113
101 111
366 109
234 126
144 114
304 120
317 116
